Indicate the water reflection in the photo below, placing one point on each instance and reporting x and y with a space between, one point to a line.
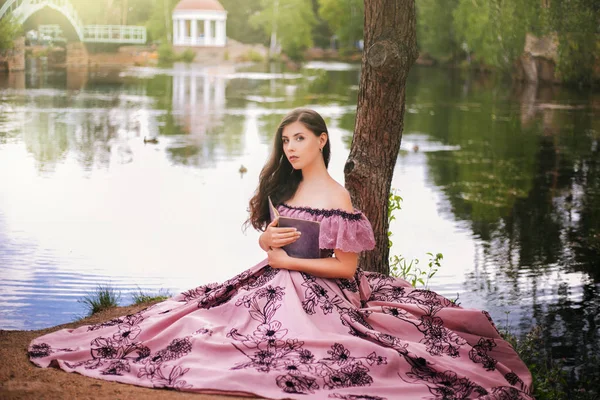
524 177
505 182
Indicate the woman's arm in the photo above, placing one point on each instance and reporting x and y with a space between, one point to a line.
342 266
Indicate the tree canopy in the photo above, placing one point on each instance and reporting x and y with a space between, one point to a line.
484 33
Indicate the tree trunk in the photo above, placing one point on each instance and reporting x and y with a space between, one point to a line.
390 49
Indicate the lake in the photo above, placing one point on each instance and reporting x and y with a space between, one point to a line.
502 179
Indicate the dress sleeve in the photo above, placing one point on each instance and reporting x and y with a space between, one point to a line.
349 232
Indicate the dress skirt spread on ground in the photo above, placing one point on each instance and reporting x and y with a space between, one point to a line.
285 334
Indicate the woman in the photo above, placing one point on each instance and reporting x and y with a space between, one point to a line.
297 328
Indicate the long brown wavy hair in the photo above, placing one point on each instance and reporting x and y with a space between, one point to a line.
278 179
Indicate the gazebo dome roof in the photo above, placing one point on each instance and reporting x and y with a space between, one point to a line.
199 5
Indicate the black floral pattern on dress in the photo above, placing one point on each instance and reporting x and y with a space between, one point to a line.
131 319
298 384
268 349
443 385
348 284
489 318
39 350
317 295
506 393
117 367
42 350
478 354
515 381
438 339
214 294
114 354
355 397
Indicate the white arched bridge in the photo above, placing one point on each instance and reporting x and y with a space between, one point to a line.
22 10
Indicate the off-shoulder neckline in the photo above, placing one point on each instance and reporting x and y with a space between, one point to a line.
327 212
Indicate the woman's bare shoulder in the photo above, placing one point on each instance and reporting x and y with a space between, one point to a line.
340 198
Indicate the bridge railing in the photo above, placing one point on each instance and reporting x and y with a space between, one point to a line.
114 34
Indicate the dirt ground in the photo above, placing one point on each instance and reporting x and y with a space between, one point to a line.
20 379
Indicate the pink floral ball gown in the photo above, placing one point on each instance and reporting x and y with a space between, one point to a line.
281 334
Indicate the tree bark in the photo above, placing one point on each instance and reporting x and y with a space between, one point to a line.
390 49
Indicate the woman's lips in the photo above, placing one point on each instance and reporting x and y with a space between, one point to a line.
293 158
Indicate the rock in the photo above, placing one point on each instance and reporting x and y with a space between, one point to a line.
543 47
538 62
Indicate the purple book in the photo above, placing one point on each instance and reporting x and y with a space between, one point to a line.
307 245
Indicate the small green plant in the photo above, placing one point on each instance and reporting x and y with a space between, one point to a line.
10 30
394 203
253 55
399 266
187 56
103 298
141 297
411 272
166 54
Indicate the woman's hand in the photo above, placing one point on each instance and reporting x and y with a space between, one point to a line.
275 237
278 258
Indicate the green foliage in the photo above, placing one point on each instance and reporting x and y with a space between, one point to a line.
187 56
159 23
435 30
238 15
345 19
493 30
578 28
166 54
552 379
491 33
394 203
9 31
292 20
103 298
254 56
141 297
411 272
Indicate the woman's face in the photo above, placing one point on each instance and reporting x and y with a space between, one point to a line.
300 145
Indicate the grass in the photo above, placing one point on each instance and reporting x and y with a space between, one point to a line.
102 298
141 297
105 297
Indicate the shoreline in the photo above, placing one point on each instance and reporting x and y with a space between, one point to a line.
20 379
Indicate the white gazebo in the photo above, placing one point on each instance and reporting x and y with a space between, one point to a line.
199 23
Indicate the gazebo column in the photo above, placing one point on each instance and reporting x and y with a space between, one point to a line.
220 35
194 32
208 41
175 37
182 37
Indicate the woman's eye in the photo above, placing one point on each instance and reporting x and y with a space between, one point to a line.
300 138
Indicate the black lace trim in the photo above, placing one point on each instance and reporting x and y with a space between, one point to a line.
356 216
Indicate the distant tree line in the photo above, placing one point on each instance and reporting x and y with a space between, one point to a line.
481 33
491 33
